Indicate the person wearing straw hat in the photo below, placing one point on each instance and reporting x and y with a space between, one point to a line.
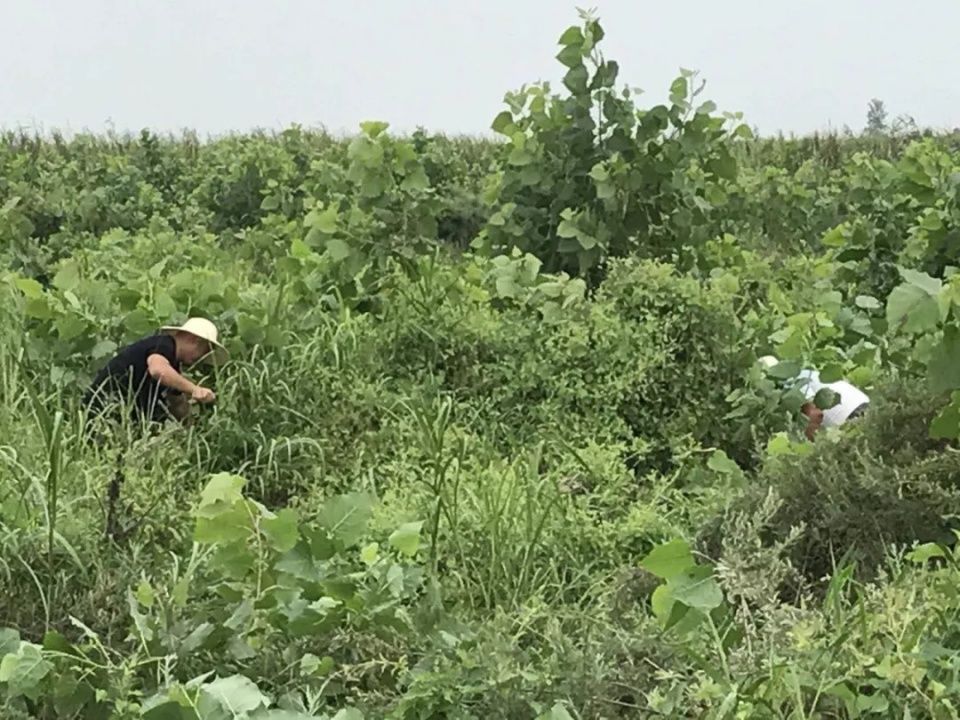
146 373
850 404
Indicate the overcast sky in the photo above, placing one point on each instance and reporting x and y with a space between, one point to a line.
216 66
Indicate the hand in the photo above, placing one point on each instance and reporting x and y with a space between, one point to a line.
203 395
179 406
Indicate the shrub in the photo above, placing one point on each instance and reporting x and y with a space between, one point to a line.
880 483
689 333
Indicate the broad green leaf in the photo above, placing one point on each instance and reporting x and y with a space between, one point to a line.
922 553
242 616
9 641
520 157
826 398
867 302
600 173
70 327
222 490
195 640
224 526
843 692
222 514
338 249
68 276
678 90
39 308
144 594
661 602
324 605
781 445
24 670
831 372
715 195
587 241
374 128
103 349
861 375
913 309
370 554
299 249
127 297
943 369
240 649
836 237
571 56
503 123
929 285
415 181
497 219
786 370
310 664
406 538
721 463
270 203
281 530
946 425
551 289
346 517
567 229
29 287
576 80
163 305
571 36
162 707
374 184
682 618
236 694
366 153
530 268
324 221
181 592
874 704
724 165
697 588
348 714
250 329
557 712
138 322
668 559
156 270
72 300
507 287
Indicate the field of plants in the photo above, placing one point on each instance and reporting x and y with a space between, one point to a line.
493 441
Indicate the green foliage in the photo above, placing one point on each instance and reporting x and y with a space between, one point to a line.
588 176
861 495
544 477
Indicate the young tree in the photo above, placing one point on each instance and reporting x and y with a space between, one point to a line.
876 117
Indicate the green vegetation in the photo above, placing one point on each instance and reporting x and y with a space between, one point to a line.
494 442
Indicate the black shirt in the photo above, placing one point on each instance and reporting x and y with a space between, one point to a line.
125 379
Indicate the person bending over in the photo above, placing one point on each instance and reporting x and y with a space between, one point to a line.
146 377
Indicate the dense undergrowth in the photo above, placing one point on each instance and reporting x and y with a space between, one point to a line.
493 442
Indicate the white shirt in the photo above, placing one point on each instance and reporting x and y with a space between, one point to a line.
850 397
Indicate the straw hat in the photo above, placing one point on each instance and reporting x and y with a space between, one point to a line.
205 330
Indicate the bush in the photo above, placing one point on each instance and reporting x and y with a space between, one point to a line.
881 483
689 333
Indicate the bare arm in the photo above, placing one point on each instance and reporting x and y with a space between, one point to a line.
815 417
162 371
